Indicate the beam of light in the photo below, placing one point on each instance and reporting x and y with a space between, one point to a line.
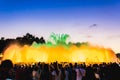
44 53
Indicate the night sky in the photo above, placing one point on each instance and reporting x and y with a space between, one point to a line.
95 21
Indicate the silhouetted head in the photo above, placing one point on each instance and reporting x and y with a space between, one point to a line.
7 64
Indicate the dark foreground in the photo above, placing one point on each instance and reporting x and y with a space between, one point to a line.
59 71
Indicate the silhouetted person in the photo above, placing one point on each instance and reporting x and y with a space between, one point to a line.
45 74
90 75
114 72
6 70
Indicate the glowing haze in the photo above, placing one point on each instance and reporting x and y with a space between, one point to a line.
95 21
60 51
88 54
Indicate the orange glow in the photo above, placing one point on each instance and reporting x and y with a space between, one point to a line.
83 53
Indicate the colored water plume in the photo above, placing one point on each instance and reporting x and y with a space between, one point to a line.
59 53
59 50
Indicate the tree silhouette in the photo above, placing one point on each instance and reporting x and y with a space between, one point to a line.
27 39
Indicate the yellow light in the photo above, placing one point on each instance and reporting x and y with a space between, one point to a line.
86 54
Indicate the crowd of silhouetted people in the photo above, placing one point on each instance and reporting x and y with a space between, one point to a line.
59 71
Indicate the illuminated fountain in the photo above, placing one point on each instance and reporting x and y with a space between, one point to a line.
59 51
